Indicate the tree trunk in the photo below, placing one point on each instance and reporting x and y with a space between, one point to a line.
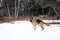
15 9
49 12
42 11
18 9
55 11
8 10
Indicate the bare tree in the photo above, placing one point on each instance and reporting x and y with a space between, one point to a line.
1 6
8 10
55 10
15 9
18 8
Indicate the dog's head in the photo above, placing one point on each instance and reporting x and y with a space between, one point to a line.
31 19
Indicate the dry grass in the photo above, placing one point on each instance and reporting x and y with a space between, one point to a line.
8 19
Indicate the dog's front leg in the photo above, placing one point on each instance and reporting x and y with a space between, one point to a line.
34 26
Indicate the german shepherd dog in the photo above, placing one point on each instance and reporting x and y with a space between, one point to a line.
37 21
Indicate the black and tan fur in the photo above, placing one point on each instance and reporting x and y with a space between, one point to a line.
37 21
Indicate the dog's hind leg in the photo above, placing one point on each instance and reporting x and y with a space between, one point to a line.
41 25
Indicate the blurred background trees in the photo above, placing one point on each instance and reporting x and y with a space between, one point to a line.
17 8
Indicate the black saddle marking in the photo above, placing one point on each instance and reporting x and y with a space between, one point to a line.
38 21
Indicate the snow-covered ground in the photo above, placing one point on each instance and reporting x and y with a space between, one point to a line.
50 21
23 30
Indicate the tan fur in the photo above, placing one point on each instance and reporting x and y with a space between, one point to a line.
35 23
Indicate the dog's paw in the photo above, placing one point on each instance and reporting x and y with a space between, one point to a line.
42 29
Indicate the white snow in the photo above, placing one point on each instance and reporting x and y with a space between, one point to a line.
23 30
50 21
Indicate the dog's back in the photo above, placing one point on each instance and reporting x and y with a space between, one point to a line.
38 21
